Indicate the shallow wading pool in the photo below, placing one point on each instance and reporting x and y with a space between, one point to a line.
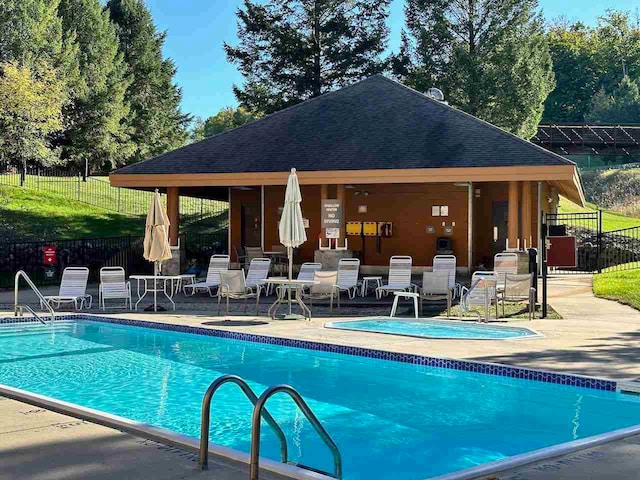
392 415
444 329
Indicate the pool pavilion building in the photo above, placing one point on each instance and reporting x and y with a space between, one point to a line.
390 155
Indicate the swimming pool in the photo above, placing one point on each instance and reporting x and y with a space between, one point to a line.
392 415
445 329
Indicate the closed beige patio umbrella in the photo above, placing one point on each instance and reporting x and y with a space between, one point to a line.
156 237
291 229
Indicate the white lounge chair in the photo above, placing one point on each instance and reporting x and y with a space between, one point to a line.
233 285
518 288
325 286
217 264
399 276
503 264
448 263
258 271
348 271
73 289
436 287
307 270
482 292
114 285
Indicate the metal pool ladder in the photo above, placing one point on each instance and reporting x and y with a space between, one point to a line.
19 309
259 411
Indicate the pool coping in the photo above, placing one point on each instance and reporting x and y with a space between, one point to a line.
190 443
534 333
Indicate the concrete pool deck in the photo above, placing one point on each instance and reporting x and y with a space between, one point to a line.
595 337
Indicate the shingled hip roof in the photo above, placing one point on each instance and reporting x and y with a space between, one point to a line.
374 124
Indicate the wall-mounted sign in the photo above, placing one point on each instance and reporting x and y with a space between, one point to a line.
370 229
331 213
362 209
332 232
354 228
431 229
385 229
440 210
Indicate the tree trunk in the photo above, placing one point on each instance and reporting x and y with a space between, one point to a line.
317 74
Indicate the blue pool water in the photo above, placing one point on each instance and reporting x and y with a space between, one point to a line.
434 329
390 419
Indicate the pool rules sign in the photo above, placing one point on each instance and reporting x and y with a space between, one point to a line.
332 218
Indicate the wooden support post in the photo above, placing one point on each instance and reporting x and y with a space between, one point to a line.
173 211
513 214
324 195
340 195
525 217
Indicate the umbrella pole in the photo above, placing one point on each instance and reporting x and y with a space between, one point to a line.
290 255
155 287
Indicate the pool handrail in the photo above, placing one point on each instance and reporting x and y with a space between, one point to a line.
206 417
254 467
18 309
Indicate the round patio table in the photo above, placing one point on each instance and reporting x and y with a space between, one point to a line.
158 283
283 295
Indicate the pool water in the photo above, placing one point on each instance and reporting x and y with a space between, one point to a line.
390 419
450 329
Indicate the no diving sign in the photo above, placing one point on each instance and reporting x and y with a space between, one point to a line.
332 214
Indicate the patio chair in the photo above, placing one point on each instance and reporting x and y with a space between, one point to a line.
436 287
307 270
73 289
399 276
518 288
280 260
483 291
251 253
241 256
503 264
233 285
325 287
217 264
448 263
348 271
258 271
113 285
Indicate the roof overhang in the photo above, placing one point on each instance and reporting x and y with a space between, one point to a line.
563 177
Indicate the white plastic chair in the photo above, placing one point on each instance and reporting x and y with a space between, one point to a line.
348 271
114 285
233 284
258 271
325 286
217 264
483 291
73 289
436 286
519 288
448 263
307 270
399 276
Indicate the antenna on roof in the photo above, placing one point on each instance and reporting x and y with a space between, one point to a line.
436 94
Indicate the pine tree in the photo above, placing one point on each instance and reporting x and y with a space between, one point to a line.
96 119
292 50
490 57
621 106
156 120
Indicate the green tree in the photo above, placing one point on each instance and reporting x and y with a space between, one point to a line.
292 50
156 121
224 120
96 118
30 112
620 106
490 57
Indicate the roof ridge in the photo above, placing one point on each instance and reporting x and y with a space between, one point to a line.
504 132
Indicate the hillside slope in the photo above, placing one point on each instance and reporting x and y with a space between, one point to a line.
615 190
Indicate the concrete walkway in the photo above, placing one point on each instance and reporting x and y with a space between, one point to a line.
36 444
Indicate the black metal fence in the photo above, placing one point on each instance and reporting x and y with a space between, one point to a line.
98 192
96 253
597 250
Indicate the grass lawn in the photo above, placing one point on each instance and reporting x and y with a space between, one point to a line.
623 287
25 214
610 220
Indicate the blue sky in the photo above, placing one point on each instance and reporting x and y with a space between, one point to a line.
197 28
